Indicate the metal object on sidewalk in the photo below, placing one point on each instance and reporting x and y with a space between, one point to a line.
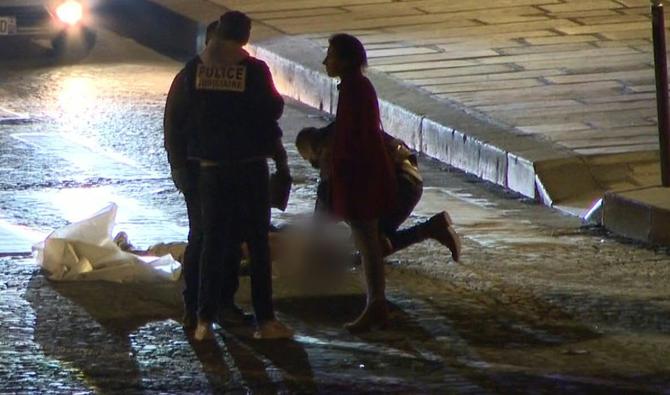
661 67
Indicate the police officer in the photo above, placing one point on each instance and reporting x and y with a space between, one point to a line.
184 170
235 107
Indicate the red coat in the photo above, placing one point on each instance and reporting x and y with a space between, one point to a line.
363 184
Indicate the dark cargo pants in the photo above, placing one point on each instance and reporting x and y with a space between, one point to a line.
235 209
191 264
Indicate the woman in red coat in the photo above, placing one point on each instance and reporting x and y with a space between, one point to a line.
362 176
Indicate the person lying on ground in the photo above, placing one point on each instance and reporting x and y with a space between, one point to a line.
296 251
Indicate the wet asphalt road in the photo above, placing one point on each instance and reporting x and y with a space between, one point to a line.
539 304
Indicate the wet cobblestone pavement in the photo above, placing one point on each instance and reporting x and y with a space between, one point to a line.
539 304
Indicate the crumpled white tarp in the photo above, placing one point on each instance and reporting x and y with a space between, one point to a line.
85 250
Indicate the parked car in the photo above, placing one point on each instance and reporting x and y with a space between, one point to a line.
66 23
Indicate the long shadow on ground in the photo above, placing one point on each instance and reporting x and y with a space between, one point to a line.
88 325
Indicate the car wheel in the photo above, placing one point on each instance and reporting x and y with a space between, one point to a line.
73 46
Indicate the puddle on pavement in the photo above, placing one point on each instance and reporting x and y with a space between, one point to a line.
86 158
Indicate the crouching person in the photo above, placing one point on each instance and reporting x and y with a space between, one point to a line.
313 146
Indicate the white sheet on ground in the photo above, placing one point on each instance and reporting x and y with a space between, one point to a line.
85 250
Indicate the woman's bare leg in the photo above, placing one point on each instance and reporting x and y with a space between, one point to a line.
366 237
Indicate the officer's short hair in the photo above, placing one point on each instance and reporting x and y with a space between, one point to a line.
349 49
211 29
235 26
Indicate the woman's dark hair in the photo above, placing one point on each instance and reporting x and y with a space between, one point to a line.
349 49
235 26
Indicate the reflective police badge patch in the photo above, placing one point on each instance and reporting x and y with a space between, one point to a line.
221 78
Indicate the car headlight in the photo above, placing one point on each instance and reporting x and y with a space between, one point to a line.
70 12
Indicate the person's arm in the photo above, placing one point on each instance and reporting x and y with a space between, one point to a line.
281 159
273 101
280 182
269 103
265 102
175 138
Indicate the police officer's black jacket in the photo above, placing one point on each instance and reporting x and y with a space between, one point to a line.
223 125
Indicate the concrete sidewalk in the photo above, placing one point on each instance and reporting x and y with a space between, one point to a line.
553 99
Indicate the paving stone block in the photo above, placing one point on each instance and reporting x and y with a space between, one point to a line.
430 65
266 6
605 28
398 52
620 98
335 23
595 64
624 149
642 214
608 19
554 127
643 34
628 75
497 19
484 78
635 3
296 13
600 142
368 11
455 71
547 48
519 29
434 56
595 134
484 85
584 5
535 41
455 6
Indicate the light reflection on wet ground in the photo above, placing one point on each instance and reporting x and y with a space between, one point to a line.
538 305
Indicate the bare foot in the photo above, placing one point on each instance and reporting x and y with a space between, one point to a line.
273 330
204 331
375 316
